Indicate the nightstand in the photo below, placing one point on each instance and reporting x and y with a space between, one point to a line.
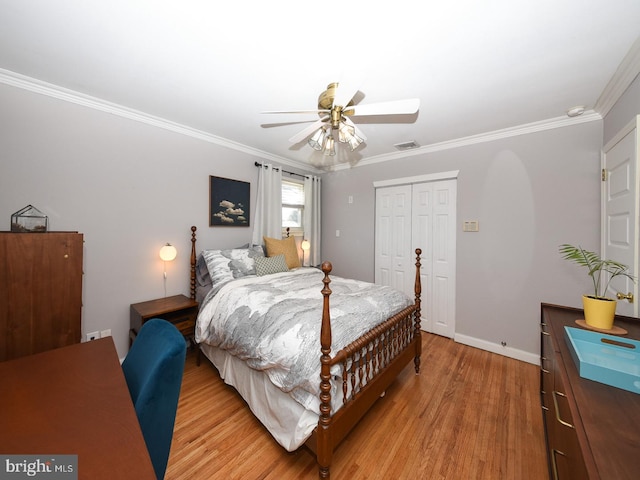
179 310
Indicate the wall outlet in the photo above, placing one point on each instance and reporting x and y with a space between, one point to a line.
105 333
92 336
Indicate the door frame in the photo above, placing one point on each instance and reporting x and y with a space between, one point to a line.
429 177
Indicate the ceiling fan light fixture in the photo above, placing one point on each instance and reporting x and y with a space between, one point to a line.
317 141
347 134
330 146
322 140
354 142
334 108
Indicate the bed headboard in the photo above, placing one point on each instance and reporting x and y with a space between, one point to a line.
194 257
193 263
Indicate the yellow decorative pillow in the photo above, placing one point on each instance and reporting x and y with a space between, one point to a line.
286 246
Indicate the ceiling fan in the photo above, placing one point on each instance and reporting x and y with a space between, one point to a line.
335 106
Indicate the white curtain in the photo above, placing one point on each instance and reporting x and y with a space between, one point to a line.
268 219
311 219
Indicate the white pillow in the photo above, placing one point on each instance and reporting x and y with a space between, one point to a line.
225 265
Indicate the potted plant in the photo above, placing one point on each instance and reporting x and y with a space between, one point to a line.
599 310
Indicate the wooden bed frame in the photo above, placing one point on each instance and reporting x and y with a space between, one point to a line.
369 365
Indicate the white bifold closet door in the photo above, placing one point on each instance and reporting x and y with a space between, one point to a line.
419 215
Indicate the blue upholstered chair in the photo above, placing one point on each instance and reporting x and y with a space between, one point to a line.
153 369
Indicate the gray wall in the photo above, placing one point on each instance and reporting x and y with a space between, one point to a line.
530 193
624 111
127 186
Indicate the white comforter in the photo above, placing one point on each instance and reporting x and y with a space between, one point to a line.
273 323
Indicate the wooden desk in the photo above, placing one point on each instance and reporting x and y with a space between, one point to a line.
73 401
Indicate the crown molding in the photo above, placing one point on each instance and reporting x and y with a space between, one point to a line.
43 88
625 74
429 177
623 78
550 124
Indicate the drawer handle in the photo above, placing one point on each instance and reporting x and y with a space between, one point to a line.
553 462
542 359
555 404
542 327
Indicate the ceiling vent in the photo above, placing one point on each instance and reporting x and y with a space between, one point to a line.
407 145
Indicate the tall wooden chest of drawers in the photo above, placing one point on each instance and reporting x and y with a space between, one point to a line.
40 291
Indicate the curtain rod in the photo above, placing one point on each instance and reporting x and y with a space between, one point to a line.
257 164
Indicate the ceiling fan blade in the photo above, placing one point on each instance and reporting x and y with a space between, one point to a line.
345 91
304 133
358 131
316 112
396 107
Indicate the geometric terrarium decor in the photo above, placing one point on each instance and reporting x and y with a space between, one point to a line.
29 219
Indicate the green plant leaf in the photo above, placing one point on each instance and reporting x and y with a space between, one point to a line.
595 266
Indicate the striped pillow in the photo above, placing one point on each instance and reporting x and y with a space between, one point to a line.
269 265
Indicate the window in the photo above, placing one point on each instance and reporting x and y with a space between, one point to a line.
292 206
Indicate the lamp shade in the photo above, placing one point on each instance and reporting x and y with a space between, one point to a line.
168 252
305 245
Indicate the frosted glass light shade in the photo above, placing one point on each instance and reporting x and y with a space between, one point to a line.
305 245
318 139
329 147
168 252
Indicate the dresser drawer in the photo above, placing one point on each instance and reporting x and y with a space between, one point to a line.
564 450
182 319
185 321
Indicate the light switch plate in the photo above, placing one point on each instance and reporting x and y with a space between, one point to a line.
471 226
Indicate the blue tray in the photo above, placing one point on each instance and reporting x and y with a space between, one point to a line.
606 359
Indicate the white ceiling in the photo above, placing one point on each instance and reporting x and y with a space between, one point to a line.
477 66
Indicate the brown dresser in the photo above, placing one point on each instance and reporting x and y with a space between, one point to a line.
40 292
592 430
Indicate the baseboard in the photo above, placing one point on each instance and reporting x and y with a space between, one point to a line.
499 349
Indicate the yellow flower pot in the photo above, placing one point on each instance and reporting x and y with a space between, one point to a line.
599 312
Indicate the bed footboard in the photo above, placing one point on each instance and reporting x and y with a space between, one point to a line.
369 366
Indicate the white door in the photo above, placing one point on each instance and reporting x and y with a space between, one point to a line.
429 209
393 237
434 231
620 213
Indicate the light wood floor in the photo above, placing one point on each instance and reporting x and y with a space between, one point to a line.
470 414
